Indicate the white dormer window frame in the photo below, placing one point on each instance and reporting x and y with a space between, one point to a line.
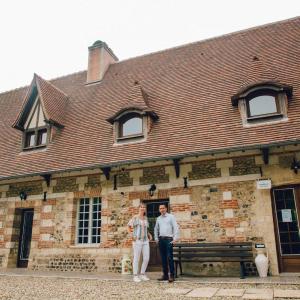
36 130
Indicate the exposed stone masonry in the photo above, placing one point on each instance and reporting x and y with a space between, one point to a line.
285 161
154 175
94 181
243 166
65 184
74 262
31 188
124 179
205 169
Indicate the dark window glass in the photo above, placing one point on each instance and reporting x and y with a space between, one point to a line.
287 221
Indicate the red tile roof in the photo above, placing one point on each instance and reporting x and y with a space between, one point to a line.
189 87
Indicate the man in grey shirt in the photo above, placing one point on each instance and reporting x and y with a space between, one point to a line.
166 233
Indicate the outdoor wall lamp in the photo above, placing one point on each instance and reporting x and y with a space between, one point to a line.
23 195
152 189
295 166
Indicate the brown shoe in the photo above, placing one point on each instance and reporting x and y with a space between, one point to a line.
171 279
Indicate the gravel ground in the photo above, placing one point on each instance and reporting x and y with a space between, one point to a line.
27 287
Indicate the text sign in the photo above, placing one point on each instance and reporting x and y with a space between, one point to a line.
286 215
265 184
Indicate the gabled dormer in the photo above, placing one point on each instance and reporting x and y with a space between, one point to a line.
43 108
133 121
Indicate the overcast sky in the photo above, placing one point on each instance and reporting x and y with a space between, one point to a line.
51 38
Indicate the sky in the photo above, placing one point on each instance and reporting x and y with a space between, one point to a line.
51 38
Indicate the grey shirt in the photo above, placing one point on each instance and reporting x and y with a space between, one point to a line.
166 226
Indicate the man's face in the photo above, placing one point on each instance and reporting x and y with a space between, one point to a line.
162 209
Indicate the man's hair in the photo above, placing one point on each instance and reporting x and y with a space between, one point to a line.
164 204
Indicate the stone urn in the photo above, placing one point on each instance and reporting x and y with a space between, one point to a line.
262 263
126 265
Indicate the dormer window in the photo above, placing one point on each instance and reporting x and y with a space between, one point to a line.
263 102
133 122
43 108
35 134
131 125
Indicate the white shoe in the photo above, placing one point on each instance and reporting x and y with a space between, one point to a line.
136 279
144 277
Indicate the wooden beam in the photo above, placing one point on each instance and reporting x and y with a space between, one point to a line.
106 172
177 166
47 178
265 154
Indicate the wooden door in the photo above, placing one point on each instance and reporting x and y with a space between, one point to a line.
25 238
152 214
286 213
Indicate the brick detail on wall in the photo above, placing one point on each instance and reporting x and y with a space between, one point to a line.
94 181
154 175
229 222
204 169
65 185
244 166
123 179
93 192
31 188
229 204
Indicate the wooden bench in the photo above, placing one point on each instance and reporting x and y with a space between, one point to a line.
212 252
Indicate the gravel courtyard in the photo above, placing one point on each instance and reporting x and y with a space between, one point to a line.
45 287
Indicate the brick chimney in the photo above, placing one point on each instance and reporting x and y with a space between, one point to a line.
100 57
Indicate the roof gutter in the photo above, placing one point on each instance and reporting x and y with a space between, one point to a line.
158 158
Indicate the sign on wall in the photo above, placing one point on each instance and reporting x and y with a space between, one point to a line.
263 184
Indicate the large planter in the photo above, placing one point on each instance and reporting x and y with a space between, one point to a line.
262 263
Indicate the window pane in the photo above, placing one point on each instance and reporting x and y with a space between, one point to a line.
132 126
83 221
89 220
42 137
30 139
262 105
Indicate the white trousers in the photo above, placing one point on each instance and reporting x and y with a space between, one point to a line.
140 248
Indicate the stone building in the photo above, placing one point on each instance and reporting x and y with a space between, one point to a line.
197 126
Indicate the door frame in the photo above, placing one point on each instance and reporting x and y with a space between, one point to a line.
275 221
19 264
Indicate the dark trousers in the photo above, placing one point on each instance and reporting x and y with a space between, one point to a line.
166 254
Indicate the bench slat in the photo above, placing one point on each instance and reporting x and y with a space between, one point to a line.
211 249
212 244
215 259
187 255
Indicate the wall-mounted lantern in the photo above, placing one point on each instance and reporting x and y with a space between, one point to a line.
23 195
152 189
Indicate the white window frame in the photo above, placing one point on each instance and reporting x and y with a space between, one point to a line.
90 220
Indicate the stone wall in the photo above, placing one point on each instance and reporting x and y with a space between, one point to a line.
220 204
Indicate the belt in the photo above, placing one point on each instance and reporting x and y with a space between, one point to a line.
168 238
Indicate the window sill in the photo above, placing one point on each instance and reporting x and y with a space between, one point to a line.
34 148
130 137
80 246
264 117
